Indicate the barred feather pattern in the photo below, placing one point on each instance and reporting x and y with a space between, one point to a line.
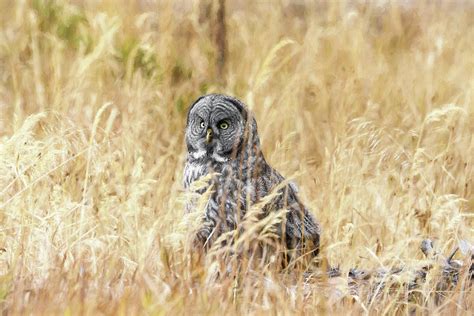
241 175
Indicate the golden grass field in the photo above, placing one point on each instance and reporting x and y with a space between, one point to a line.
369 108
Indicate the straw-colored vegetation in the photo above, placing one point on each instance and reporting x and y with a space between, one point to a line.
369 108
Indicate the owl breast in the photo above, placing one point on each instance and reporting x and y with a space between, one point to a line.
192 172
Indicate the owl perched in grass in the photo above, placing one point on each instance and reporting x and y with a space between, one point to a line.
222 140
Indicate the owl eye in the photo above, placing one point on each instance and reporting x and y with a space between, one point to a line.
202 124
224 125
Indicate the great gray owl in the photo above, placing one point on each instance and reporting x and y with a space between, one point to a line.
222 139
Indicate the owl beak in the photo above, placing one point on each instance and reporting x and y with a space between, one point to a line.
209 136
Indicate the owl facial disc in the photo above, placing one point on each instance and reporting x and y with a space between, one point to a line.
215 128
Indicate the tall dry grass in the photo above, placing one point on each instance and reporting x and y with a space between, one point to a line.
367 106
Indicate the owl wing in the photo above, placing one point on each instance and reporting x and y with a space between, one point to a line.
301 227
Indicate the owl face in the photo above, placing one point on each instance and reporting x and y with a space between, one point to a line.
215 127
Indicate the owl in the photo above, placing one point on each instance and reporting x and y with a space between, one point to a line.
222 141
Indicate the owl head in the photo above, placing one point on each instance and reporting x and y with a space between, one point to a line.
218 126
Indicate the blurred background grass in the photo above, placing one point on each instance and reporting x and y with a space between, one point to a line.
366 105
